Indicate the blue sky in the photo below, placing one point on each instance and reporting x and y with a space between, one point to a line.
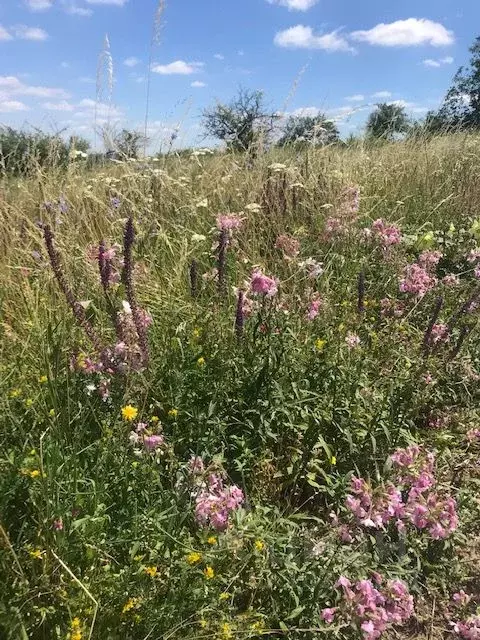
337 56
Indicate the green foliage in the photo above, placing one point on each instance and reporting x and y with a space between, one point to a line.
312 130
386 121
128 143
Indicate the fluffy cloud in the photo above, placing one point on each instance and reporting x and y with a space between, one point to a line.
12 86
438 62
23 32
219 56
301 37
406 33
116 3
131 62
295 5
305 112
58 106
198 84
87 108
10 106
358 97
178 67
382 94
39 5
4 35
73 9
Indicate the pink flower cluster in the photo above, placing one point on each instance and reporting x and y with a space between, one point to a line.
288 245
469 629
429 259
215 502
350 203
314 308
387 235
450 280
229 221
439 333
142 436
352 340
312 267
334 227
391 308
262 284
371 607
416 280
461 599
374 508
473 435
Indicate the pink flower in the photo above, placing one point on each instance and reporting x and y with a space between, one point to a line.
152 443
215 503
352 340
314 309
58 524
263 284
416 280
328 614
386 234
473 435
312 267
196 465
474 255
439 333
450 280
288 245
461 598
429 259
227 222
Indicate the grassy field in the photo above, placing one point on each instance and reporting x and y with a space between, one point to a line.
253 410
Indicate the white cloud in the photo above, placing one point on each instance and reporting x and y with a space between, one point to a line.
58 106
301 37
87 107
198 84
4 35
382 94
406 33
23 32
305 112
358 97
413 107
438 62
74 10
11 86
9 106
131 62
178 67
87 80
219 56
39 5
64 65
295 5
116 3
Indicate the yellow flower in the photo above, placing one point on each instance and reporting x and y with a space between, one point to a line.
258 626
14 393
35 473
201 362
212 540
129 413
51 413
333 461
129 605
194 557
196 333
259 545
37 554
173 413
203 623
224 596
154 419
151 571
226 630
209 573
43 379
319 344
137 558
28 402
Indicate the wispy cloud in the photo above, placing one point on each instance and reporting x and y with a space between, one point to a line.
382 94
198 84
302 37
179 67
12 86
295 5
58 106
358 97
4 34
11 106
219 56
70 7
116 3
86 80
39 5
23 32
406 33
437 62
131 62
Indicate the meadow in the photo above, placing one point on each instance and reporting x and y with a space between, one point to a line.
240 396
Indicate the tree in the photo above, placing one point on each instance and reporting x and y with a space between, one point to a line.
314 130
241 122
461 107
128 143
387 120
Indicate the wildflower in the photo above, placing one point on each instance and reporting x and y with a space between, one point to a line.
416 280
129 413
196 333
212 540
450 280
28 402
194 557
288 245
195 465
228 222
259 545
215 503
314 309
473 435
386 234
15 393
201 361
154 419
209 573
37 554
352 340
151 571
461 598
333 461
130 604
439 333
203 623
257 626
312 267
34 473
263 284
43 379
226 630
173 413
75 627
58 524
51 413
153 442
328 614
319 344
429 259
224 596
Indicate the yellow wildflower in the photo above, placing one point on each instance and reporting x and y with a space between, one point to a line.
28 402
203 623
154 419
226 631
209 573
258 626
151 571
129 413
194 557
137 558
259 545
129 605
75 626
14 393
224 596
173 413
43 379
212 540
333 461
196 333
319 344
34 473
37 554
201 362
